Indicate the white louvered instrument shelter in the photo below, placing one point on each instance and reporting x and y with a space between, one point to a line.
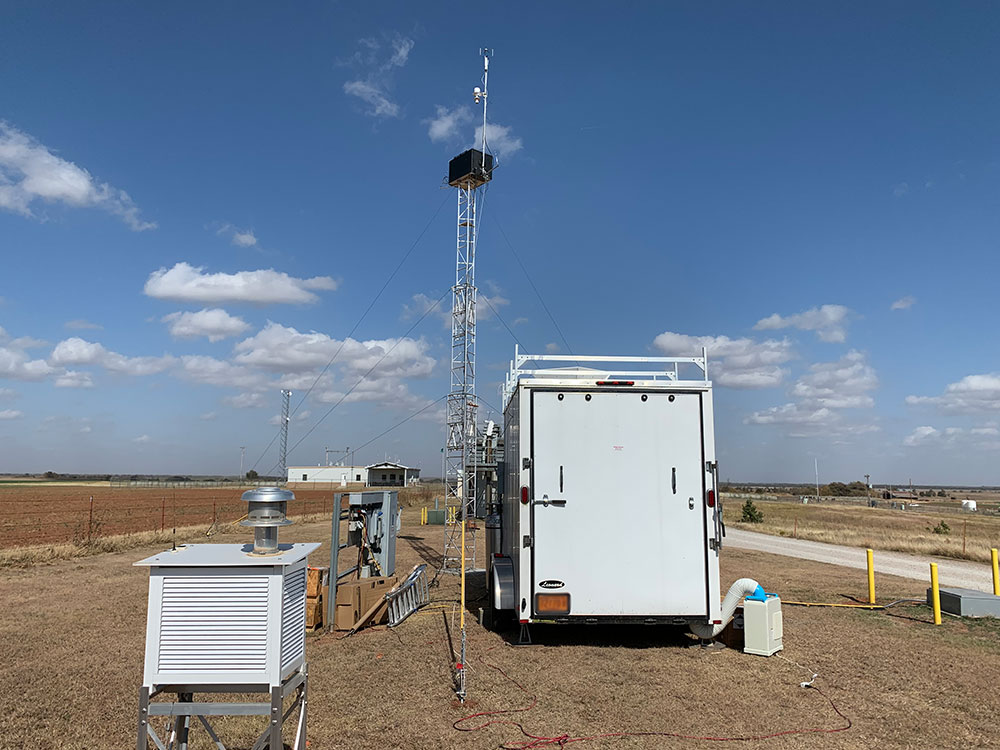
219 615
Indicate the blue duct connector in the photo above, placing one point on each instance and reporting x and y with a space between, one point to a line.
759 595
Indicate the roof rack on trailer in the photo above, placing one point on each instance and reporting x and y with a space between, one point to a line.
599 368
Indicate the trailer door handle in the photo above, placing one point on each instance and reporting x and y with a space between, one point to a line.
673 480
546 502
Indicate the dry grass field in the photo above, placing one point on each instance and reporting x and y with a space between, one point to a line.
72 632
878 528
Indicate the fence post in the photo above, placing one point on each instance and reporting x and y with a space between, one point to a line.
90 522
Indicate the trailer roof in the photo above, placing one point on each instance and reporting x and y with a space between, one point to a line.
591 371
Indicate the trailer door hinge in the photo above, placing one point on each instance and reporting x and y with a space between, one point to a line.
711 465
525 463
527 541
714 544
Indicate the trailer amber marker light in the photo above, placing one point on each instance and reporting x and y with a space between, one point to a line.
711 498
524 495
552 604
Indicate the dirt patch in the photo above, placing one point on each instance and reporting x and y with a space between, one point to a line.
72 633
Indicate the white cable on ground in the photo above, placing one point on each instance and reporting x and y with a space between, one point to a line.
743 587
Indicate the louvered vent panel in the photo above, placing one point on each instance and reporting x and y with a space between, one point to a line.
213 624
293 617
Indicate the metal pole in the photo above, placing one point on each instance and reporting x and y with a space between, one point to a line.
90 522
331 603
996 572
935 594
868 488
871 577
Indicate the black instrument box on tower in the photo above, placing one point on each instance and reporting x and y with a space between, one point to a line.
470 166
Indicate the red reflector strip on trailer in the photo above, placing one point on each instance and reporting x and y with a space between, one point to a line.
711 498
524 495
616 382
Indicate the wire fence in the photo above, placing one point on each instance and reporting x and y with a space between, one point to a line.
30 519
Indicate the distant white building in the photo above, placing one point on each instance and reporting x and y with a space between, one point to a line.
385 474
337 475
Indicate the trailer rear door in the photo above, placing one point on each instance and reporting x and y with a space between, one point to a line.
631 537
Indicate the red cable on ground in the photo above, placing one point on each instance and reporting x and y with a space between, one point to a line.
537 741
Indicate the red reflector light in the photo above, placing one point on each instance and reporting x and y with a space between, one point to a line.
716 622
524 495
458 665
711 498
616 382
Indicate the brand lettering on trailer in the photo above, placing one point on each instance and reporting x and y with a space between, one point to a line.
618 447
551 584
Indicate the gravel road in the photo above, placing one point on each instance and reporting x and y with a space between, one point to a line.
955 573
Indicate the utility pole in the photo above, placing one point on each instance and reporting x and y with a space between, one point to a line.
243 453
816 462
868 488
283 448
326 450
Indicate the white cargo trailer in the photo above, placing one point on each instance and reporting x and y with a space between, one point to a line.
610 507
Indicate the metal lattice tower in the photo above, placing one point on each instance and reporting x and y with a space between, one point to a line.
283 448
467 172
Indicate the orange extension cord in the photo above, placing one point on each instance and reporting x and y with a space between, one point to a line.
537 741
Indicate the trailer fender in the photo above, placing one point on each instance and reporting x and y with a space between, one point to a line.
503 583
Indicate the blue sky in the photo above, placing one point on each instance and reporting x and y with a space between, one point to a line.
198 203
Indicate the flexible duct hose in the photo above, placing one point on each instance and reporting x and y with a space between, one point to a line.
743 587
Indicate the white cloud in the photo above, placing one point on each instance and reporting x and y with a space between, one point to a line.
921 435
820 395
377 99
30 172
216 324
142 439
7 393
900 189
736 363
16 365
828 321
237 236
208 416
552 348
839 385
212 371
300 416
973 394
500 139
283 349
794 414
246 401
378 61
446 124
11 414
77 351
83 325
187 283
903 303
74 379
985 431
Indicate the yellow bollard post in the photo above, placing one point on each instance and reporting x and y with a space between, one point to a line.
871 577
935 594
996 572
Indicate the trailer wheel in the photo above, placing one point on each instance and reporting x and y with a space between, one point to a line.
498 619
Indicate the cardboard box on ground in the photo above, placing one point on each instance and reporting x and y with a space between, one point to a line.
355 598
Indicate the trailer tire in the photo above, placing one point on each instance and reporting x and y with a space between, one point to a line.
498 619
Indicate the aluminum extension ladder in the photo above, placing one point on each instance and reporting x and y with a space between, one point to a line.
409 596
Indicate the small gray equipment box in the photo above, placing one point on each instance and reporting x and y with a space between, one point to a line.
762 624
